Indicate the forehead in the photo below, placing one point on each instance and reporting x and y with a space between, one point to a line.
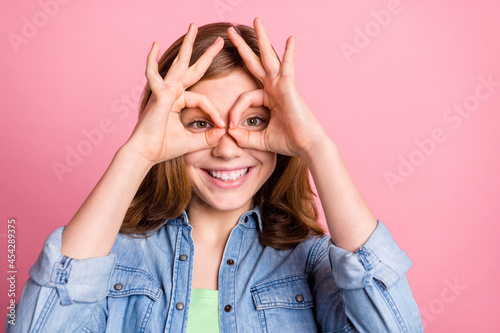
224 91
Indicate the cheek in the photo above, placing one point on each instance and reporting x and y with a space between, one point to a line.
187 159
189 162
268 162
193 158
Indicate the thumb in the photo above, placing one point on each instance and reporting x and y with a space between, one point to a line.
249 139
208 139
213 136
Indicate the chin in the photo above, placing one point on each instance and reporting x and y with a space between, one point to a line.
226 203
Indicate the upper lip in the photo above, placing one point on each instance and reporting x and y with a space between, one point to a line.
227 168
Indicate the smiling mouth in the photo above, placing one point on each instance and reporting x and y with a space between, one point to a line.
228 176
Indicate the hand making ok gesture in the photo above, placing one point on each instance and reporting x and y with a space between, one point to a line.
159 134
292 129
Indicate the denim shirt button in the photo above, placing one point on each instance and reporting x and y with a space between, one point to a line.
118 286
246 219
299 298
230 262
228 308
183 257
179 306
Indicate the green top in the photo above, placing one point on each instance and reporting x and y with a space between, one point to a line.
203 315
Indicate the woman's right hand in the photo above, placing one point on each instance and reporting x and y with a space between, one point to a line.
159 134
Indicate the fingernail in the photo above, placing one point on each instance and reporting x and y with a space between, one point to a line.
231 125
223 122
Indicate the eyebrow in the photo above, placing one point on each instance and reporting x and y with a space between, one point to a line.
200 113
260 108
196 110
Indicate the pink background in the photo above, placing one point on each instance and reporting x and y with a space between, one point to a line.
80 68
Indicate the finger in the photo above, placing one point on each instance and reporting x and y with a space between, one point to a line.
249 57
204 140
269 58
155 81
181 61
244 101
249 139
196 71
288 65
196 100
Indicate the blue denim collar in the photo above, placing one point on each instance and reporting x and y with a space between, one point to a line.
252 219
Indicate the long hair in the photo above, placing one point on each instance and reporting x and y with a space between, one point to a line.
286 200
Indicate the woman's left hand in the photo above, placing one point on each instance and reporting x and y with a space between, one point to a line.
292 128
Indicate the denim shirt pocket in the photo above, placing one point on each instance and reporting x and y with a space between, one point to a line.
131 297
285 304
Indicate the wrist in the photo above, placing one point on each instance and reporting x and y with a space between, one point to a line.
127 153
317 146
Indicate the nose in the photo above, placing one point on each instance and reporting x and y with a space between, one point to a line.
227 148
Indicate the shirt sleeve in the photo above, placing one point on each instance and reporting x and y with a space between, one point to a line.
371 284
61 291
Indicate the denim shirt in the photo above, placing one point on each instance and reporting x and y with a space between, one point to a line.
144 285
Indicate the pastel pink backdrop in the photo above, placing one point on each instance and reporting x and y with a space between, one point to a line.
382 76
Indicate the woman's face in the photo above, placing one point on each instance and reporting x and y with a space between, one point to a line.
226 177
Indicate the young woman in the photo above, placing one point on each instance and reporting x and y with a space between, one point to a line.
205 220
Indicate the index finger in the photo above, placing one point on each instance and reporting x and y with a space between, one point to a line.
196 100
244 101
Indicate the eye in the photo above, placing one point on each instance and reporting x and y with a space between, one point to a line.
254 121
199 124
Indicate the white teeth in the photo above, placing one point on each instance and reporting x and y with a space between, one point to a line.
228 176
